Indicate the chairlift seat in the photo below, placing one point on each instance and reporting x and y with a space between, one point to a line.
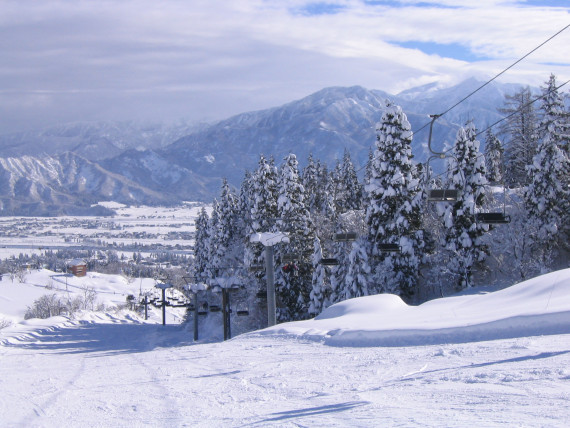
390 248
291 257
257 267
443 195
346 237
242 312
329 262
215 308
493 218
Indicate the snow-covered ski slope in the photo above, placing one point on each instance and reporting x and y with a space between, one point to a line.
495 359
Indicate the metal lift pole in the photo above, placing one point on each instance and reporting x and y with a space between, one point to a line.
195 315
163 306
146 307
226 313
271 305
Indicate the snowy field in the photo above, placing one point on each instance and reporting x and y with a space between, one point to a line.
141 225
491 359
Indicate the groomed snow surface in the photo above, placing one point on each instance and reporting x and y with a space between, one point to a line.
482 359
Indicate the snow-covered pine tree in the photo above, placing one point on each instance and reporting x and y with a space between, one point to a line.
201 248
223 238
394 208
318 283
358 275
338 273
263 213
354 188
348 194
311 183
547 195
293 287
520 136
326 185
493 157
212 234
244 205
466 172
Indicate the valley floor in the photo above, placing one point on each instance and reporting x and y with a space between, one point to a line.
111 371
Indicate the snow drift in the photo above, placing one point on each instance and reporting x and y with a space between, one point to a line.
539 306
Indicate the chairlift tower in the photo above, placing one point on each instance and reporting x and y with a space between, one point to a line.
163 286
268 240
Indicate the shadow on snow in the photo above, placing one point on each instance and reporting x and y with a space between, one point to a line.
103 338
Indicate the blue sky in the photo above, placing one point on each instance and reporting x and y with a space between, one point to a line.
446 50
63 60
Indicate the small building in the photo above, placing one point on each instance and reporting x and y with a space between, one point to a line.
77 267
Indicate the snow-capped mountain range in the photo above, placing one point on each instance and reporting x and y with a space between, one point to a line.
81 164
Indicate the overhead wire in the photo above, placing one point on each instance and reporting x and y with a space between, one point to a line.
507 117
487 83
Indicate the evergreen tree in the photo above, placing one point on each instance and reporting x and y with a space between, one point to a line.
318 283
394 209
224 233
244 205
520 131
547 195
348 190
293 287
493 157
213 258
316 188
358 275
339 272
263 213
466 172
201 248
352 186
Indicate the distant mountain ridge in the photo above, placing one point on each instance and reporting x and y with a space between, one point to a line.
129 163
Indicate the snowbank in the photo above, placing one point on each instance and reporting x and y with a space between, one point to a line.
539 306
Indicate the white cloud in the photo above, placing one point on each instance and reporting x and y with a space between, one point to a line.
174 58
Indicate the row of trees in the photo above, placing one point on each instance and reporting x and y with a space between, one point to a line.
389 210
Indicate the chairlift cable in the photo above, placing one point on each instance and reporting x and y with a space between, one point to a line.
504 71
489 81
521 108
499 121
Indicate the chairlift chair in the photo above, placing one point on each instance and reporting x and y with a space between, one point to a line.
289 257
329 262
242 311
346 237
256 267
493 218
389 248
215 308
442 194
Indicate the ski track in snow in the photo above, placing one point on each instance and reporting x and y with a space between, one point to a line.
108 374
